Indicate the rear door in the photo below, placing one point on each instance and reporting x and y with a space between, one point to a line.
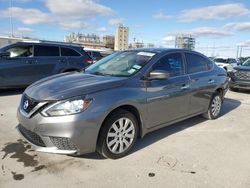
47 61
17 70
203 81
168 99
73 58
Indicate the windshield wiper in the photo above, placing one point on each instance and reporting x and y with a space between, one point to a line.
100 73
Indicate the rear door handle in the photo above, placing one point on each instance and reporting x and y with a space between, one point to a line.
185 86
29 62
211 81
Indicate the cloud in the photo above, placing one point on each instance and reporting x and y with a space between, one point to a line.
115 21
161 16
244 43
210 32
27 16
68 24
218 12
24 30
244 26
73 14
240 26
101 29
169 39
78 8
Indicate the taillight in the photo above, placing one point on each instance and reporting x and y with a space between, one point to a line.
88 60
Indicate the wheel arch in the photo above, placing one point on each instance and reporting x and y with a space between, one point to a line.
130 108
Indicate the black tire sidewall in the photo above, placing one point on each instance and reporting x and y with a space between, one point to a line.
102 147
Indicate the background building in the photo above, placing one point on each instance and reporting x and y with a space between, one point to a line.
109 41
121 38
87 40
185 41
4 40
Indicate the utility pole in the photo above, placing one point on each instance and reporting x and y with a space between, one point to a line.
11 24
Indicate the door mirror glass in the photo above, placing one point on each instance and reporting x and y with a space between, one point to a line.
4 54
158 75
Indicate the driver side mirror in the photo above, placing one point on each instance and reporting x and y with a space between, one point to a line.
158 75
4 54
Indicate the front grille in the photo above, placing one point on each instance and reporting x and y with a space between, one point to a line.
28 104
31 136
243 75
63 143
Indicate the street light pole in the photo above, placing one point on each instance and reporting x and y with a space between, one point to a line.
11 24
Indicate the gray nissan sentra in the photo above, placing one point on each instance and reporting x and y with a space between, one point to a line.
118 99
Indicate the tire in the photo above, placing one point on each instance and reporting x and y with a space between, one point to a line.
233 89
118 135
214 107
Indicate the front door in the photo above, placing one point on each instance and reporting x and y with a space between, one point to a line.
168 99
17 70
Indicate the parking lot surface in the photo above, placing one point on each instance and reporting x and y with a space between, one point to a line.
193 153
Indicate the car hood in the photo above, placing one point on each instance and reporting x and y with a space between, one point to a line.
243 68
67 85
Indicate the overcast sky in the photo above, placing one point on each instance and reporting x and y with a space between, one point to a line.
219 26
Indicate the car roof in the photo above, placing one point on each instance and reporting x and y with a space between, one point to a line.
163 50
51 43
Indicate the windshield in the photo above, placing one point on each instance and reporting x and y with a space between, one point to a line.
122 64
247 62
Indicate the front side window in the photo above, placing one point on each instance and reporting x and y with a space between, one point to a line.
21 51
122 64
196 63
171 63
41 50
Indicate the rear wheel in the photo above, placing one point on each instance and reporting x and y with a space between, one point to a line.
118 135
214 108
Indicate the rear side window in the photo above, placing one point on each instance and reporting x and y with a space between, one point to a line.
46 51
171 63
68 52
197 63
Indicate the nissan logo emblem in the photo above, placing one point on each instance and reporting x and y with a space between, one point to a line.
26 104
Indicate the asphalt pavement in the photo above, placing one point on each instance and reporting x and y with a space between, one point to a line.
192 153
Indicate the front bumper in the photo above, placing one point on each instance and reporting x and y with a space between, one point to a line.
74 134
239 84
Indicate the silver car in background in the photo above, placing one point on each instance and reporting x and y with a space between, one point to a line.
118 99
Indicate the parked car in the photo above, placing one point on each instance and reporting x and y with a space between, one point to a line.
23 63
97 54
240 77
121 97
227 63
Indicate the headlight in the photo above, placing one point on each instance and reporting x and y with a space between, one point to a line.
66 107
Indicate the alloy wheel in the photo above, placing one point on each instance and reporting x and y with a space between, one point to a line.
120 135
216 106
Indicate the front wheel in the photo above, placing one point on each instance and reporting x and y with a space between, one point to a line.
118 135
214 108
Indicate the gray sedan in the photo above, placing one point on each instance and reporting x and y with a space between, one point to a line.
118 99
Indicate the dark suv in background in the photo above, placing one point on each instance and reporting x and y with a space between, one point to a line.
23 63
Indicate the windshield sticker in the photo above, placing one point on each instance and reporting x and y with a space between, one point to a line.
137 67
146 54
131 71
